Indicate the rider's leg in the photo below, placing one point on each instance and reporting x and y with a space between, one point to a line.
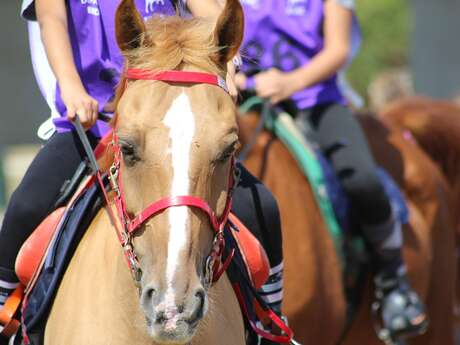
34 198
256 207
342 140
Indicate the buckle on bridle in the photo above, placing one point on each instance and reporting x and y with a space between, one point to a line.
208 271
113 179
136 272
213 257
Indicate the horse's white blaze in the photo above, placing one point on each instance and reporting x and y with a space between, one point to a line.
181 123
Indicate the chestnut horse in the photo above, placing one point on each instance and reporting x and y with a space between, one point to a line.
436 127
175 139
314 291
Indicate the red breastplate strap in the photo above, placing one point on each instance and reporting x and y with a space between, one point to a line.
129 225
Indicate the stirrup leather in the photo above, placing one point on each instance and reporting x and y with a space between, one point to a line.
8 324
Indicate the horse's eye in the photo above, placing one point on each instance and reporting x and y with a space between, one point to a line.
129 153
223 158
227 153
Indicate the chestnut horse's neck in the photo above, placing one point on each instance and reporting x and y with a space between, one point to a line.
436 128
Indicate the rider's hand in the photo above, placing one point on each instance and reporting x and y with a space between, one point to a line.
78 102
275 85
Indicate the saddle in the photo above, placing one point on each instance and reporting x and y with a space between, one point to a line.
44 257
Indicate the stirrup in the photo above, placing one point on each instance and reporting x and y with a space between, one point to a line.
260 340
399 297
8 324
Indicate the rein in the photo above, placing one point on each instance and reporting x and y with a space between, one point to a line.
127 226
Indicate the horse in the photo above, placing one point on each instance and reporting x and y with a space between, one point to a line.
167 149
314 301
434 125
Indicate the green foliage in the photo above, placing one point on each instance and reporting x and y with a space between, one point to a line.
385 26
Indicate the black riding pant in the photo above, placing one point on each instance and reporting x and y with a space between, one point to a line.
57 161
342 140
38 191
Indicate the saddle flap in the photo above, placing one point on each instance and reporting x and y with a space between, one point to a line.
252 252
34 249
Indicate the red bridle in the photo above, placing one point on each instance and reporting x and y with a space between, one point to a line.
214 267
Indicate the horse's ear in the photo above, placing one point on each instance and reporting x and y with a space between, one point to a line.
229 30
129 26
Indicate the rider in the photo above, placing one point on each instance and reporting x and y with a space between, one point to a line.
77 64
293 51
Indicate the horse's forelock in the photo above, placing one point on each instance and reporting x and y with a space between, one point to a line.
176 43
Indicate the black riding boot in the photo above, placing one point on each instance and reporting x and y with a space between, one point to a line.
398 305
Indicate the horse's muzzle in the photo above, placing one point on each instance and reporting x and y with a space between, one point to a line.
172 319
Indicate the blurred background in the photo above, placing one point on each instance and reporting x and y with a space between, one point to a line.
23 109
408 46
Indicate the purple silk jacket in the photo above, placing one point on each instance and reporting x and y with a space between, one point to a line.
95 51
287 34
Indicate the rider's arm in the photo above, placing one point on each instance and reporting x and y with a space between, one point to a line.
52 17
337 31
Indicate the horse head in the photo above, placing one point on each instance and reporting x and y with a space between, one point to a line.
176 139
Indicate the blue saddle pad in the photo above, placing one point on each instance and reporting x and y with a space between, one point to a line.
75 222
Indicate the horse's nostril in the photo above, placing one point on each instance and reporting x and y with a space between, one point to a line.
200 295
148 295
199 307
